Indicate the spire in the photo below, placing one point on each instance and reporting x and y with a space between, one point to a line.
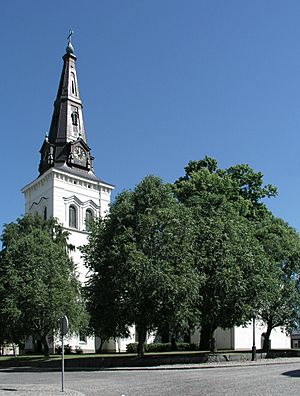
66 145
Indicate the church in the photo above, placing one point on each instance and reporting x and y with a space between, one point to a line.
68 190
67 187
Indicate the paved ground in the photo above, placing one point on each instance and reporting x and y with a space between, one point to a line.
272 377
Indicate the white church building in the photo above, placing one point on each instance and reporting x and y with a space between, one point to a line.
68 189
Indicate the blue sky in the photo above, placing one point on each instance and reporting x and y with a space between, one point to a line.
162 82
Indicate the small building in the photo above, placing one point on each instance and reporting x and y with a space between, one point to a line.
295 339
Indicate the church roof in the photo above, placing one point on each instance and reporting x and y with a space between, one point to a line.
66 147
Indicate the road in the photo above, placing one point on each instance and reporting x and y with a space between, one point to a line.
275 379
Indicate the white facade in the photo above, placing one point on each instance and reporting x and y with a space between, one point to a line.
52 194
243 337
240 338
67 188
55 191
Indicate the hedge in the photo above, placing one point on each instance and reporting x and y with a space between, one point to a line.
162 347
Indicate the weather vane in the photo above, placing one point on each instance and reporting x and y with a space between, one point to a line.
70 35
70 49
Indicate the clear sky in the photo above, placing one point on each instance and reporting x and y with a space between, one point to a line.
162 82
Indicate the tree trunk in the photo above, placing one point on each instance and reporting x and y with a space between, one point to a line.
187 337
165 334
101 345
173 343
207 340
266 346
142 334
45 345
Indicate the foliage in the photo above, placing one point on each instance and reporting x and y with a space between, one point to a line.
238 184
281 302
38 281
68 350
141 255
162 347
78 350
224 204
197 252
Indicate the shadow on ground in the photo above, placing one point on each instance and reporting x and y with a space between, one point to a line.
293 373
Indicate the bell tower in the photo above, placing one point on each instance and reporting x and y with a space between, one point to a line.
67 187
66 146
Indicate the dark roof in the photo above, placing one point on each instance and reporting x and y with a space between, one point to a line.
67 130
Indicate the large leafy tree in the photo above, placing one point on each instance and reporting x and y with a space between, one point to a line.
280 306
224 204
141 257
239 184
38 283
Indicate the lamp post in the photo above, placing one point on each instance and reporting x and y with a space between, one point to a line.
253 344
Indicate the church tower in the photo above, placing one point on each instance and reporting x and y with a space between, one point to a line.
67 187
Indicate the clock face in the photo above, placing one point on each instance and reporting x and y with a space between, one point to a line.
79 153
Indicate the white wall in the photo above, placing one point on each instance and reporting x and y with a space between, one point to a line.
243 337
224 338
57 190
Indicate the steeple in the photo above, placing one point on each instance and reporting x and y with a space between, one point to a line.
66 146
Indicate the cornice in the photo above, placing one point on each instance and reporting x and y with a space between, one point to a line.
54 173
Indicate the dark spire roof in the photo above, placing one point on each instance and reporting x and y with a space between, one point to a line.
66 145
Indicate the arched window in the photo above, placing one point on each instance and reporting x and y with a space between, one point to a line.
89 215
72 217
45 213
74 117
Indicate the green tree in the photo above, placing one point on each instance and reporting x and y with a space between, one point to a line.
223 204
280 306
38 281
141 255
239 184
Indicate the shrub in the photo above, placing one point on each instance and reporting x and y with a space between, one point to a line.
132 347
162 347
67 348
158 347
185 346
78 350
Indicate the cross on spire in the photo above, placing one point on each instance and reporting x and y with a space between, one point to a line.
70 35
70 48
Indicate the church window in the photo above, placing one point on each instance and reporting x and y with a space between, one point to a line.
72 217
89 215
45 213
73 84
82 338
74 117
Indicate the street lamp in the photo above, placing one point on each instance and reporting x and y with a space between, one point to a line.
253 344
